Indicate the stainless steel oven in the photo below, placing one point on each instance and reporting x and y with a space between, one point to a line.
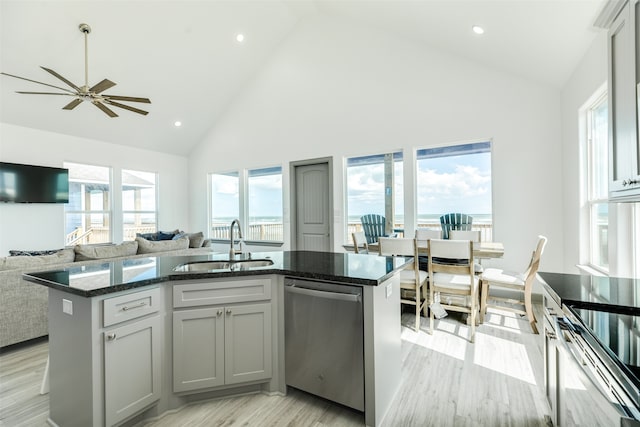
584 384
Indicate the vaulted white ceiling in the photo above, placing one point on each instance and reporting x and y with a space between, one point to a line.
184 56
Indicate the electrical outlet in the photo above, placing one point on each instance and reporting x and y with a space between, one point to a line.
389 289
67 306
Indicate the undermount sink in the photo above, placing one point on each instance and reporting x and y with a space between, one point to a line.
233 265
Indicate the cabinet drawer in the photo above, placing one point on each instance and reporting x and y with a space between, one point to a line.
130 306
221 292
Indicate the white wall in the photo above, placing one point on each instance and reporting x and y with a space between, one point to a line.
587 78
41 226
336 89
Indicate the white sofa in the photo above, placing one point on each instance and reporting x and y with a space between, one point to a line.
23 305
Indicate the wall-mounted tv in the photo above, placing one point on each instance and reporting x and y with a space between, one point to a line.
33 184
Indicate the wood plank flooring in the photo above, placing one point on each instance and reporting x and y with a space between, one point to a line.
446 381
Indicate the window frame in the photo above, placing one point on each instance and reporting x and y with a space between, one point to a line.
591 199
398 156
108 212
140 212
448 149
243 204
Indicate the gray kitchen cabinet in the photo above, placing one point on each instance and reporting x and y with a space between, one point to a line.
131 368
247 343
221 344
624 146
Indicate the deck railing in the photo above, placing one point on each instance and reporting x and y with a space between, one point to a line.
272 232
486 229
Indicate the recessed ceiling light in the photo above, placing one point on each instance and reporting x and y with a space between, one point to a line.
477 29
240 38
177 124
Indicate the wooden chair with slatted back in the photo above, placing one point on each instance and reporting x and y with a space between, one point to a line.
455 221
373 226
496 278
360 245
413 281
452 278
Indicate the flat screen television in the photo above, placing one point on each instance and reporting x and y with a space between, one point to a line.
33 184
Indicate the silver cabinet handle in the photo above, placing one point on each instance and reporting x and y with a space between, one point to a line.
219 313
131 307
111 336
228 311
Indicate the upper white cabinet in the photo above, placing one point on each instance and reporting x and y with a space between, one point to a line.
624 76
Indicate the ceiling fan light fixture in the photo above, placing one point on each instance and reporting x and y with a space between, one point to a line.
85 92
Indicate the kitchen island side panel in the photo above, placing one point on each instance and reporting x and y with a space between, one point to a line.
382 347
74 395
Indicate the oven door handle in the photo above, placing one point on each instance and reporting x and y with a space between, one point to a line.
576 358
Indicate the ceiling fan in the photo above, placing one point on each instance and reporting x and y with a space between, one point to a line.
85 93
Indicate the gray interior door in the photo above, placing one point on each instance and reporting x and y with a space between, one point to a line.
313 210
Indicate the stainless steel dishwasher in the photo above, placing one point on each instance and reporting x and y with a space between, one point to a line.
324 340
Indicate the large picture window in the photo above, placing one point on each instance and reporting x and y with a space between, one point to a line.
88 213
375 186
455 178
252 196
139 203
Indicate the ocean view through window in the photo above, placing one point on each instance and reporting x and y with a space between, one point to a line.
455 178
254 197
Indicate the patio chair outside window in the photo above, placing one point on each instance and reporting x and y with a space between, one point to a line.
454 221
373 226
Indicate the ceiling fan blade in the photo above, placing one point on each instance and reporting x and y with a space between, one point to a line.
45 93
40 83
73 104
126 107
49 70
102 86
128 98
104 108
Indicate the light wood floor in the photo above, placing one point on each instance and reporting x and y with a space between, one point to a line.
446 381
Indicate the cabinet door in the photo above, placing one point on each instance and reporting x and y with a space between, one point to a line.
131 368
247 343
623 153
198 349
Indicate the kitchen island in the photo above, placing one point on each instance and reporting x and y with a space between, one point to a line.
132 339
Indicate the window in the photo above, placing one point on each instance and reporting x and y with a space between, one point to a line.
88 213
597 183
455 178
264 205
139 203
374 186
254 197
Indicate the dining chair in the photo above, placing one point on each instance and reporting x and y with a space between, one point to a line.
413 281
452 279
360 245
374 226
455 221
422 238
472 235
495 278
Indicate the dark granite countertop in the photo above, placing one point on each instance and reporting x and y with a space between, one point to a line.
119 275
608 294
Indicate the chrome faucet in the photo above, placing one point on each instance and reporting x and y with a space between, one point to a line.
233 251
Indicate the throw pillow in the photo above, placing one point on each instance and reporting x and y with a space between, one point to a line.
148 236
88 252
196 239
148 247
33 253
37 261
